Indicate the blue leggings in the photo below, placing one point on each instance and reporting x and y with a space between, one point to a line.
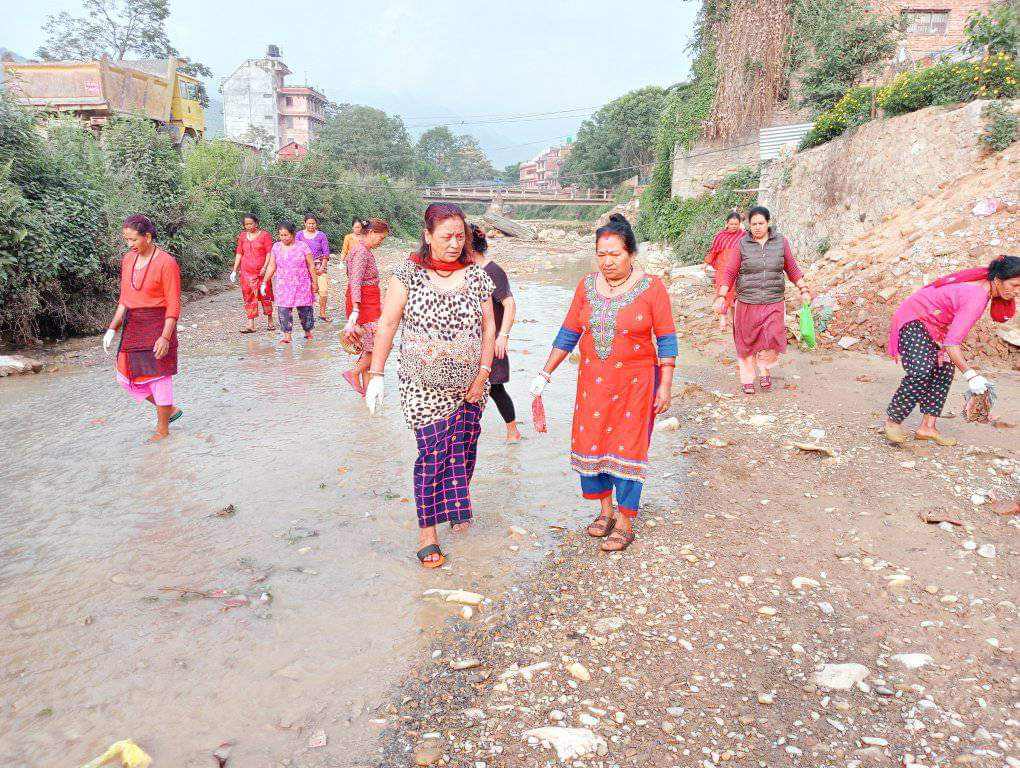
600 486
286 317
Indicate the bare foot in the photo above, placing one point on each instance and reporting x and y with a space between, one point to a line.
934 436
460 527
156 436
513 435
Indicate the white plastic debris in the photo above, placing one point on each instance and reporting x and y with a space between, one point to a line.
840 677
569 743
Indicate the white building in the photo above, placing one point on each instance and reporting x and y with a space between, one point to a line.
250 98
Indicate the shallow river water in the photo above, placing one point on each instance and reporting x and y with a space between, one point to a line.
100 534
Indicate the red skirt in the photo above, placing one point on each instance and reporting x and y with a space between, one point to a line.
757 327
370 308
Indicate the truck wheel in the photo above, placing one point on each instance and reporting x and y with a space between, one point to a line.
188 142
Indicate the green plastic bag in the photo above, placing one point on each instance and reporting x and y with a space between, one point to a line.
807 327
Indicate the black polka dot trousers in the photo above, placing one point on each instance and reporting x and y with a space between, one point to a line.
927 382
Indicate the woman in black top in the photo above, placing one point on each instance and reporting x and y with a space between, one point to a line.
505 309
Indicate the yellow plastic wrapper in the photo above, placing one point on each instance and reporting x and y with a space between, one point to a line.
126 753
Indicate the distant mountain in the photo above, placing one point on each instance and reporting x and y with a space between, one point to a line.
7 54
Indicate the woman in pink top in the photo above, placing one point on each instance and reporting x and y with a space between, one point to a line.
290 263
930 326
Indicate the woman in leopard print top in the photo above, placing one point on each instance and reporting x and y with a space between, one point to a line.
444 302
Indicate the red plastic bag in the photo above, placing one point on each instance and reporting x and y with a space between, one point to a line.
538 415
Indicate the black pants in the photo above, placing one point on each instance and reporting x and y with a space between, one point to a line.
927 382
503 402
286 317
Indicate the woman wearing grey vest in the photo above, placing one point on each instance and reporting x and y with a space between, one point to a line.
758 278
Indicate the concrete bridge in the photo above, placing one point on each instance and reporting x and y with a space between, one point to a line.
523 195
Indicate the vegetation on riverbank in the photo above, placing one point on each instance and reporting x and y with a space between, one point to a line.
64 193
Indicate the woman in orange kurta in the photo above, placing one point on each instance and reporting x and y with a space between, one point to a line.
622 320
147 314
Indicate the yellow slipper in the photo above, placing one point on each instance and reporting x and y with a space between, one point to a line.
949 442
895 435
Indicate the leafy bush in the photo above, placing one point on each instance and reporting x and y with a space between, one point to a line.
688 224
1002 128
994 77
852 110
64 193
995 31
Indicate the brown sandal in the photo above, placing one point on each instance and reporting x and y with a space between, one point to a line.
601 527
618 538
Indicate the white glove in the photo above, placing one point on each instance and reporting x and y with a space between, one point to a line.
233 277
352 321
108 338
262 289
537 386
374 393
978 384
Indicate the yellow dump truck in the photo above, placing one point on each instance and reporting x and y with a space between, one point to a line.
99 90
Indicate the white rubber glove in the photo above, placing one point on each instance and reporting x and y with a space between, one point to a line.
262 289
352 321
233 277
977 384
108 338
537 386
374 393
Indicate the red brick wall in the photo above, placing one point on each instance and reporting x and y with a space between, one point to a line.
919 45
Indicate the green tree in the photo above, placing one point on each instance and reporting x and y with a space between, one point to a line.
621 135
511 174
442 156
118 29
836 43
367 140
996 31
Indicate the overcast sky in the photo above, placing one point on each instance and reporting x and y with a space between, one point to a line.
430 60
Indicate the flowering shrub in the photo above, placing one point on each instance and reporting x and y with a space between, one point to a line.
852 110
994 77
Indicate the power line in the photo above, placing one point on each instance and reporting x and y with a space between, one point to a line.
507 114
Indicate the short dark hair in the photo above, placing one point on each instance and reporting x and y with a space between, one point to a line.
141 224
311 216
378 225
619 226
479 242
251 216
734 215
759 209
355 220
287 225
1004 268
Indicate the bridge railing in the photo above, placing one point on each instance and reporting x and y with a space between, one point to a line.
517 193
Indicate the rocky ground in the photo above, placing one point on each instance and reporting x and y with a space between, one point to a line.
781 606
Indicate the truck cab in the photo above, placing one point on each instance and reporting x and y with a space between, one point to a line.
187 118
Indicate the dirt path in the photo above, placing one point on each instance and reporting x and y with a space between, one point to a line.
700 648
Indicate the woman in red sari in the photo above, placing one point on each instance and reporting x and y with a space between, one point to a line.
147 314
253 246
623 321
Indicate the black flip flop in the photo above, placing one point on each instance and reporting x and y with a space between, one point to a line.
172 419
431 549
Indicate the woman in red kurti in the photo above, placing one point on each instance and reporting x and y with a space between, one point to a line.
722 250
253 246
147 314
623 321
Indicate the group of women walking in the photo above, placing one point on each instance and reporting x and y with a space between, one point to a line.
456 312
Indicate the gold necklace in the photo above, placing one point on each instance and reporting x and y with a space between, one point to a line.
613 286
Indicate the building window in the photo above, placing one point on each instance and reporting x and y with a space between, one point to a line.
290 102
925 22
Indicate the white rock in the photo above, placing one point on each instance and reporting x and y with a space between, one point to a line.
745 580
826 608
986 550
913 660
609 624
847 341
766 698
456 596
588 720
874 741
761 419
803 582
17 364
767 610
970 546
840 677
569 743
672 424
556 716
977 499
578 671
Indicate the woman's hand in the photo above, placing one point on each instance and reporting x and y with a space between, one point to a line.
805 295
723 322
538 385
501 344
663 396
161 347
352 333
477 389
719 305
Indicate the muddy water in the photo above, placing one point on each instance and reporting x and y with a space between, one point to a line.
100 534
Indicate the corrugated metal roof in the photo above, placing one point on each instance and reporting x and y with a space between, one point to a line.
771 140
